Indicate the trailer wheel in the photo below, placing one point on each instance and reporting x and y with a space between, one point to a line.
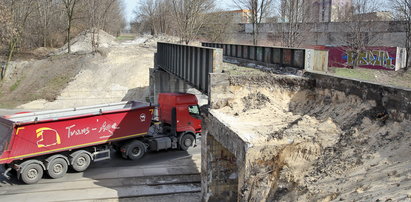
81 162
135 150
186 141
57 168
32 173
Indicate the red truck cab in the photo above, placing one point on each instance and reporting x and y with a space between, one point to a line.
187 112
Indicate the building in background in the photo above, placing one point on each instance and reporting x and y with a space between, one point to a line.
315 10
238 16
375 16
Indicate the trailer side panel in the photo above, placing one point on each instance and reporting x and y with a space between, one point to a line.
53 136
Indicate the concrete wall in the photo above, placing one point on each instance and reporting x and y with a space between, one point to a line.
394 101
163 82
384 33
220 183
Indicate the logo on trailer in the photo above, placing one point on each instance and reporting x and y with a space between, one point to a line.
47 137
142 117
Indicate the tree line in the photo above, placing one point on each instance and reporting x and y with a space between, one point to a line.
29 24
187 19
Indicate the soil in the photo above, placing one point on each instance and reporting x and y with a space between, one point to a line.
317 145
82 42
39 79
118 71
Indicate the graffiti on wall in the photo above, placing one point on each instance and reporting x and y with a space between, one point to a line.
372 58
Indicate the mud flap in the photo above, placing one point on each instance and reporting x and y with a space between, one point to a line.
6 173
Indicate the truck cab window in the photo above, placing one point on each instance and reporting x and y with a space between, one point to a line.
194 110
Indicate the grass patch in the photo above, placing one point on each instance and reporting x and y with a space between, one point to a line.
125 37
392 78
54 86
8 105
361 74
236 70
15 85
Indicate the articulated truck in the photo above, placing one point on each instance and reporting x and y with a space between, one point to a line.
33 143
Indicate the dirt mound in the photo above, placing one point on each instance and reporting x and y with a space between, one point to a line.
122 74
43 51
82 42
318 144
150 41
26 81
254 101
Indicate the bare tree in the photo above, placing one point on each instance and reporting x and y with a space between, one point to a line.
154 16
53 22
357 24
190 17
402 10
98 10
70 6
147 11
259 10
295 14
7 31
7 28
44 11
219 27
19 10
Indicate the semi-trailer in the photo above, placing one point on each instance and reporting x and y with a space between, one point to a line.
52 141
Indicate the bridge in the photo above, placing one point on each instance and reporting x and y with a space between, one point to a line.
244 155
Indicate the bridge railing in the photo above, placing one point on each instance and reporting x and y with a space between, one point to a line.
284 57
189 63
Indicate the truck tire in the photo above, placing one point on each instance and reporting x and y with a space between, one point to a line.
32 173
57 168
135 150
81 162
186 141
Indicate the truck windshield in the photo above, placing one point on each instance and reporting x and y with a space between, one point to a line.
194 110
5 134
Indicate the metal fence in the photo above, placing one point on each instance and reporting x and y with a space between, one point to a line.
189 63
290 57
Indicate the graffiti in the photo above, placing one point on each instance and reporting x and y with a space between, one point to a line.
373 58
47 137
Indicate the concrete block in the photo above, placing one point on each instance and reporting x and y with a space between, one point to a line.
401 58
316 60
217 60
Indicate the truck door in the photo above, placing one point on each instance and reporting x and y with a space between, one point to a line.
188 118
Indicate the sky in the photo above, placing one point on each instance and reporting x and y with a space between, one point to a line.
130 6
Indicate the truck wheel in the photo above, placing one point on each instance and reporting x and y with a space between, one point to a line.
186 141
32 173
81 162
57 168
135 150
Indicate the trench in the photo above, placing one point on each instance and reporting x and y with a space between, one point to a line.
304 138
